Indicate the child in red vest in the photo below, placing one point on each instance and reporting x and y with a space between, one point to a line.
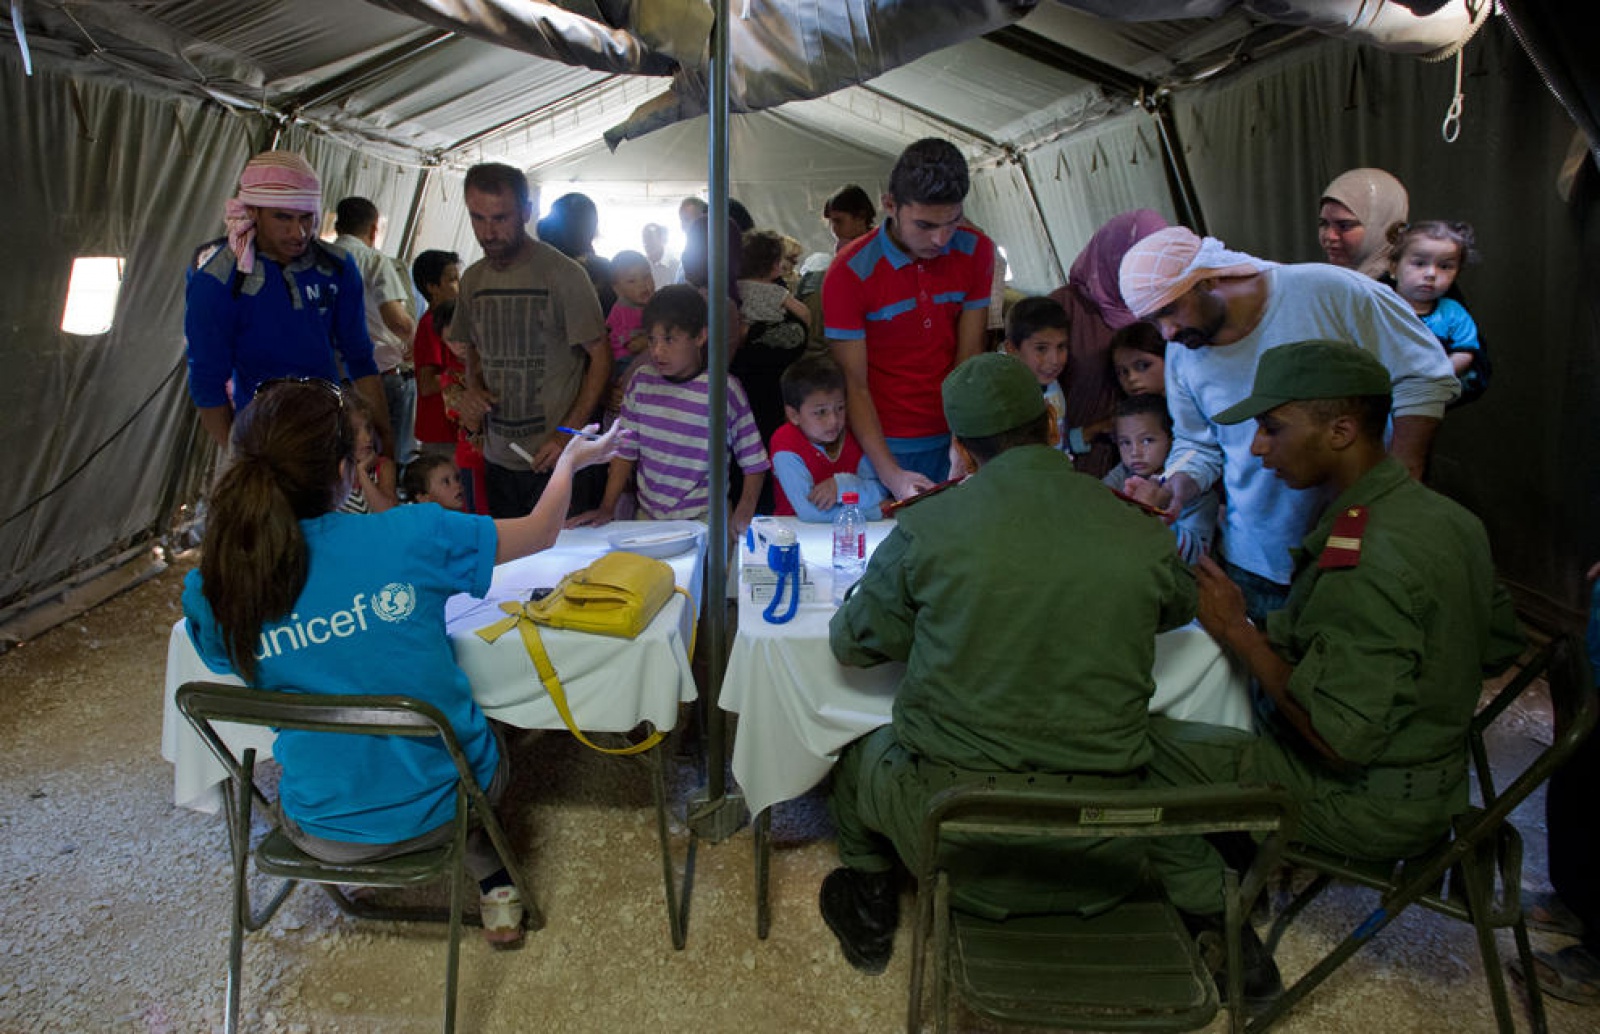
815 457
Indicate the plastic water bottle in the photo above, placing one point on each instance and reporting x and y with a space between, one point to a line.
849 545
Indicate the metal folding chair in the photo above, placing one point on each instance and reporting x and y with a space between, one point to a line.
206 703
1136 967
1475 873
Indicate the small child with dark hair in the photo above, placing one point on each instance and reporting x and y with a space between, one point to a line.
667 408
1143 433
775 331
431 478
437 275
1036 334
633 283
763 297
814 455
374 488
1139 359
1424 259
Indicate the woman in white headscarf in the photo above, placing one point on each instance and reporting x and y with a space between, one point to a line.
1354 216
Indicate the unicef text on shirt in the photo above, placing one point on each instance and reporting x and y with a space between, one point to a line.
394 602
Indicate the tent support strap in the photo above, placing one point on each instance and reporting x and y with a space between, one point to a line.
1056 268
409 237
1179 183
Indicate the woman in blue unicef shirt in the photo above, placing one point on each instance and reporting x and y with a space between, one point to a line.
291 594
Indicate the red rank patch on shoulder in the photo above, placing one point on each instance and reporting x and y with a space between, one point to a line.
1343 548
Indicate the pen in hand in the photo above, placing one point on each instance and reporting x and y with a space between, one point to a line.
1175 467
577 433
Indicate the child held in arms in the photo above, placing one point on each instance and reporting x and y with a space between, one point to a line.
814 455
1142 429
1425 259
667 408
634 283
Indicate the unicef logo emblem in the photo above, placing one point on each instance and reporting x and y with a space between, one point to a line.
394 602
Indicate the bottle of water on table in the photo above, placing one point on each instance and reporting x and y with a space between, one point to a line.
849 545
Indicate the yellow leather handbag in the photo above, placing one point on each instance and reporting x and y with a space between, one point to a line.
616 595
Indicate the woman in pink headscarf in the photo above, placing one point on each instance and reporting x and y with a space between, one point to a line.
1354 216
1095 312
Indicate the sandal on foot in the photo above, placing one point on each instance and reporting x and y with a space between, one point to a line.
501 911
1571 974
1544 910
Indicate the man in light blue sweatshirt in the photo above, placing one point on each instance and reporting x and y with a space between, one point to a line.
1227 309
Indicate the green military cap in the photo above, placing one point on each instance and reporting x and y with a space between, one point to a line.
990 393
1310 370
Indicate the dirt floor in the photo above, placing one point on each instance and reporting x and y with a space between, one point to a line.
115 902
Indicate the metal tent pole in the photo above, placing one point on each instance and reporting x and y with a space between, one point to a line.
715 814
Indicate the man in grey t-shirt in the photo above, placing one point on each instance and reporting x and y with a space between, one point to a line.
537 355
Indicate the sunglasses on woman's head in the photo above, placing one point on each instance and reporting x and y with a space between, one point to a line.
328 386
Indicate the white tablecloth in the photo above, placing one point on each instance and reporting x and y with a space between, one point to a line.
612 684
798 707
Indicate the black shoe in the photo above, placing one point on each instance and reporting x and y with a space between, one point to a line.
1262 982
863 910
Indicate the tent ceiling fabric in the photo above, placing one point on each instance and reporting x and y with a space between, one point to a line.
452 81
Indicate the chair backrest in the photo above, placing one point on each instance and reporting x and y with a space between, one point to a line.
1144 812
1147 812
203 703
1562 663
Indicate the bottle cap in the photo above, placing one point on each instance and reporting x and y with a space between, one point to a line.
851 498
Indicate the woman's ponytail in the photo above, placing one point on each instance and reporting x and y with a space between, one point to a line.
288 445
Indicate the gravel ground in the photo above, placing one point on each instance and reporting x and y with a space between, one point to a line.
115 901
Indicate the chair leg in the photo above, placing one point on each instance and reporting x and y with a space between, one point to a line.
1369 928
237 807
533 919
677 907
919 949
238 804
356 908
1233 919
941 953
1292 910
1479 885
1508 866
1519 932
762 828
458 879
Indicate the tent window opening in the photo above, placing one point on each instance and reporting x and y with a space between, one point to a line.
623 215
92 295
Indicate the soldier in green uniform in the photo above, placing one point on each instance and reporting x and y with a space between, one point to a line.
1025 604
1394 618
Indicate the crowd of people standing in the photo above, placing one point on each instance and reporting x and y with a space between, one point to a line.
1275 418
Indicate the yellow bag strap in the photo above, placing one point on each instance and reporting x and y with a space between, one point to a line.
531 641
694 619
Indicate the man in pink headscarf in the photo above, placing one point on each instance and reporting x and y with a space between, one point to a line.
1228 309
271 300
1093 300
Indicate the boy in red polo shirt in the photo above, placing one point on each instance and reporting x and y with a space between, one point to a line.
815 457
902 306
